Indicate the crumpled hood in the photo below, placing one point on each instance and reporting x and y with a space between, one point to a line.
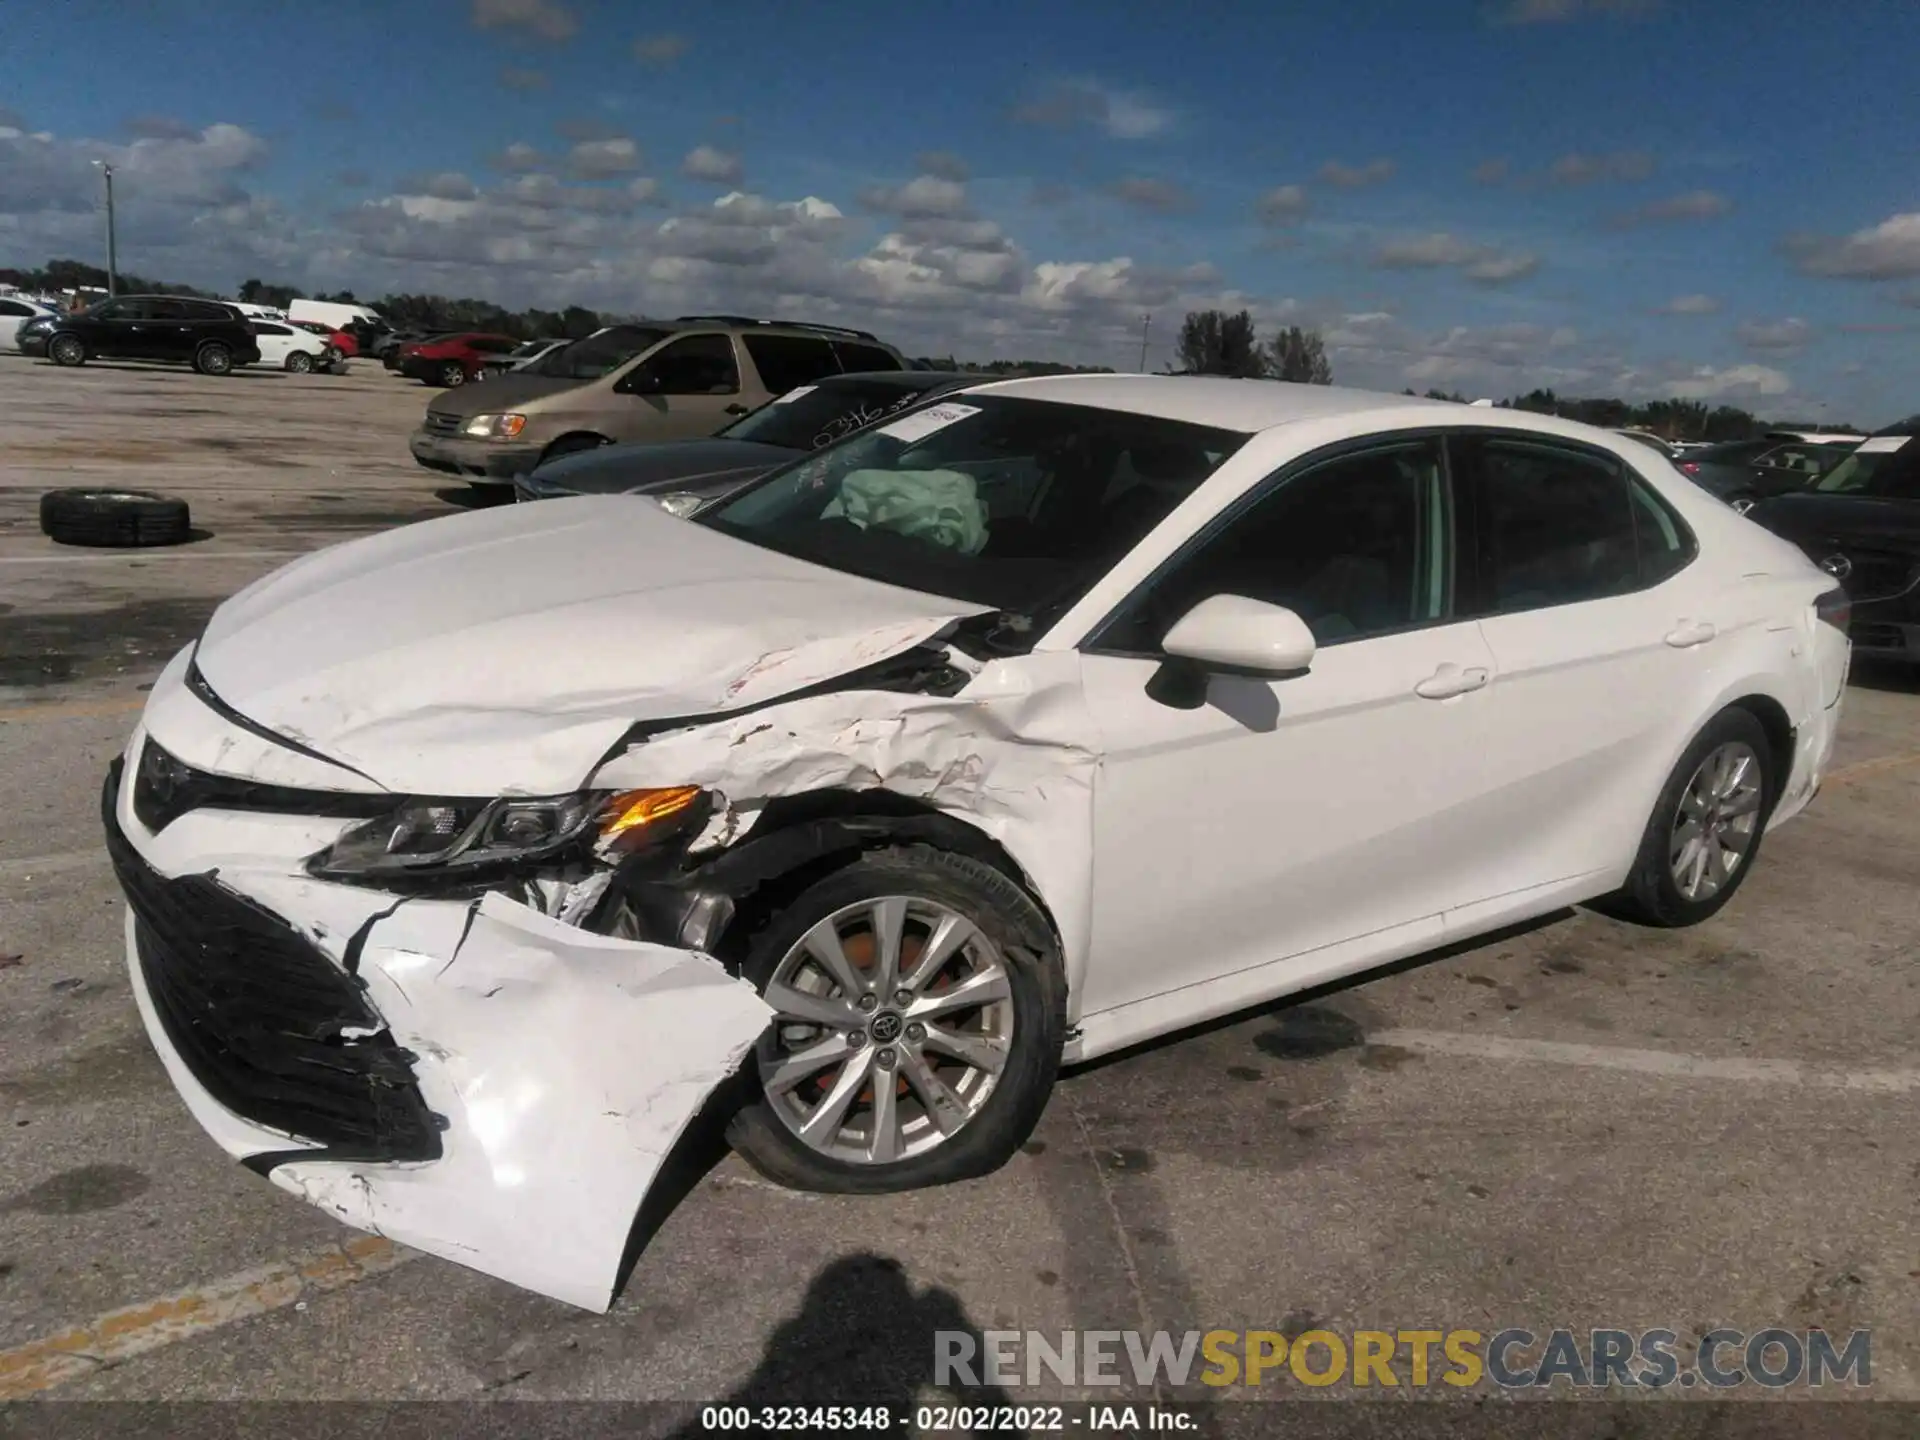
698 465
504 651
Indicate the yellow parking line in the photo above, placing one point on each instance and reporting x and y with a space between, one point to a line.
73 711
42 1364
1849 773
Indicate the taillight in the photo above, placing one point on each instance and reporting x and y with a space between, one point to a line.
1835 608
1690 467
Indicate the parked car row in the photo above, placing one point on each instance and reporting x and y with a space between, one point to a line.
674 380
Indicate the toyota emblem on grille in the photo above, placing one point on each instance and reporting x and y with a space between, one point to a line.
1838 566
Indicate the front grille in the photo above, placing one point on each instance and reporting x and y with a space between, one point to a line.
440 423
273 1029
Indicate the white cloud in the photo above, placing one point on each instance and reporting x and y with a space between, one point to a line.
518 156
660 49
542 19
1887 251
1122 114
923 197
1690 305
1437 250
1282 205
1357 177
1775 337
1581 169
705 162
1735 382
1691 205
1144 192
942 165
603 159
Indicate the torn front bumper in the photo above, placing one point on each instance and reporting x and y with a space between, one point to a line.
471 1078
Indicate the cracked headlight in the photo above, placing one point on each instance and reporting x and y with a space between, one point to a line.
432 837
494 427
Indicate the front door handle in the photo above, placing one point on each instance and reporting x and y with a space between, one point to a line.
1450 680
1691 632
736 409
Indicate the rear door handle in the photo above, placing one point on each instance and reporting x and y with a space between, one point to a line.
1691 632
1450 680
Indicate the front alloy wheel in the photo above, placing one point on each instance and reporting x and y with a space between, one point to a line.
895 1021
919 1014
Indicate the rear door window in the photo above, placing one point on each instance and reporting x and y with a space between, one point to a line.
786 362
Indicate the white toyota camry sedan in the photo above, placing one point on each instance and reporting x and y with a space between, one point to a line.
468 862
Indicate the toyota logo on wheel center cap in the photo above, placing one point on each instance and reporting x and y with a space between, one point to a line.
886 1027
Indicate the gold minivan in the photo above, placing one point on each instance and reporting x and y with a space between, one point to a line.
649 380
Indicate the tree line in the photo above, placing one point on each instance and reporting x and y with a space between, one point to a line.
1213 342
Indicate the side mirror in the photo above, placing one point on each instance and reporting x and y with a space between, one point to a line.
1243 636
1230 635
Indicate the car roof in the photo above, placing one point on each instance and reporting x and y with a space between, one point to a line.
1248 406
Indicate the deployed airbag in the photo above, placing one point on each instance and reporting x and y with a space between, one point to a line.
942 506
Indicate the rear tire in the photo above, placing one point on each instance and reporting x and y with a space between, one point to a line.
213 358
452 375
1013 941
300 363
67 351
1654 893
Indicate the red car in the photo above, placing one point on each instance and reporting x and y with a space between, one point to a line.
450 360
341 340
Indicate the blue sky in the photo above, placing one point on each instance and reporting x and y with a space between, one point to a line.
1696 197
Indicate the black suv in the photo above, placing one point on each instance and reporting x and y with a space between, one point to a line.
210 336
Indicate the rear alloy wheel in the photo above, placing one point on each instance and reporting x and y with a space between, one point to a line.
452 374
67 350
300 362
1705 832
919 1017
213 358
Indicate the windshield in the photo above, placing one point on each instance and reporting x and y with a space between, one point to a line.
601 352
816 415
1868 472
1016 504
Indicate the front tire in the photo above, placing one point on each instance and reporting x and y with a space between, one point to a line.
452 375
67 351
213 358
921 1011
1705 832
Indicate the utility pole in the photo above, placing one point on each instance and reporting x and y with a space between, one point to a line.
1146 325
113 266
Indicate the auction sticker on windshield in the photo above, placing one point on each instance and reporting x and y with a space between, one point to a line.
923 423
795 394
